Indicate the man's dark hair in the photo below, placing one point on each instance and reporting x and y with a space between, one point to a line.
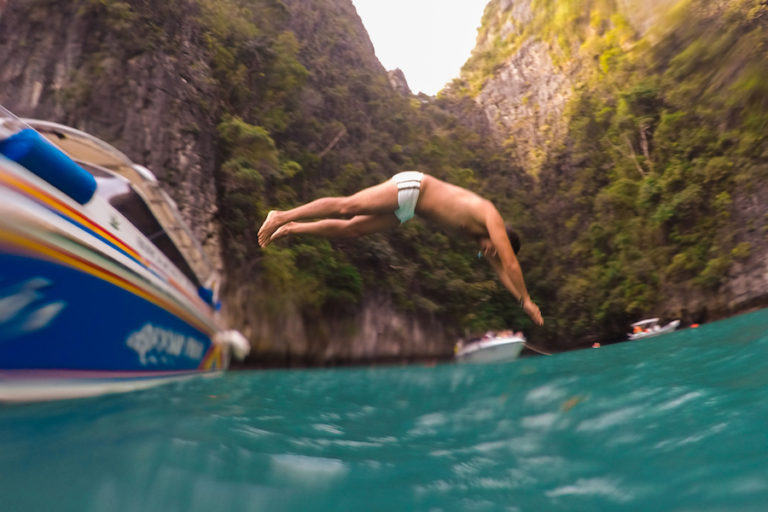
514 239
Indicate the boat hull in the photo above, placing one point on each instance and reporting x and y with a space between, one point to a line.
496 350
66 333
44 385
670 327
60 317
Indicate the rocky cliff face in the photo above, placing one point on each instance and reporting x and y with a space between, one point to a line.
336 50
525 96
745 284
524 102
376 332
398 82
153 96
61 62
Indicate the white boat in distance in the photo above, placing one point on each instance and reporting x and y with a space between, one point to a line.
651 327
491 349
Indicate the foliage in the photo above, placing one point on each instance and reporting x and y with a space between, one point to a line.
297 124
665 129
659 137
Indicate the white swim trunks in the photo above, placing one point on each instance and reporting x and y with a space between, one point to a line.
408 188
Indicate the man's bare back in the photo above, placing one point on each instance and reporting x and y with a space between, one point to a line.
453 207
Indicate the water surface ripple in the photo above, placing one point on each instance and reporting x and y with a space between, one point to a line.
673 423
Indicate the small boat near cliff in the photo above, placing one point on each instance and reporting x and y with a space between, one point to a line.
491 348
651 327
103 287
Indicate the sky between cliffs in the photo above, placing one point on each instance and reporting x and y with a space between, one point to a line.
428 39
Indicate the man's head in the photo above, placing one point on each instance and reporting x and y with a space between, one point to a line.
487 248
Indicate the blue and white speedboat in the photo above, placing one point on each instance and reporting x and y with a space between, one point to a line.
103 288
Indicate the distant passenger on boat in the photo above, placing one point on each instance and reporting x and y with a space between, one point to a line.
385 206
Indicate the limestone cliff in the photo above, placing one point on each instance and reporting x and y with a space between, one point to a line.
645 156
523 96
140 76
398 81
61 62
537 64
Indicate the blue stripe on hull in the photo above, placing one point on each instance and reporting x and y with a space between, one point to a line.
56 317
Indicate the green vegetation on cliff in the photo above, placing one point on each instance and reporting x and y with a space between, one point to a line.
309 113
665 131
631 210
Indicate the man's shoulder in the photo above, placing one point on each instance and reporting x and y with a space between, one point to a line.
490 213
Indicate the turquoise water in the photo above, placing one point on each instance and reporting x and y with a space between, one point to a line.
676 423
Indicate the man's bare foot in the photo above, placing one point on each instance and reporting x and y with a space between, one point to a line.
280 232
271 223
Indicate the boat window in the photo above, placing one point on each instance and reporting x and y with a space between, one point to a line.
119 193
133 207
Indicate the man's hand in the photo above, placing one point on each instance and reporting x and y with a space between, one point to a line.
532 310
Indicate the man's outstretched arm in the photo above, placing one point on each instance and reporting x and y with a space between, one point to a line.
506 266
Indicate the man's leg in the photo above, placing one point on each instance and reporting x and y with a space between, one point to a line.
377 200
339 228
